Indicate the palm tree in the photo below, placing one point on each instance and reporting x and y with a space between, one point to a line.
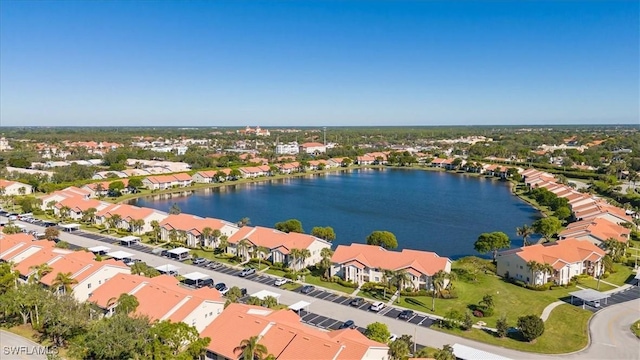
100 190
173 235
89 215
534 267
243 247
304 255
259 251
401 278
114 221
223 243
137 225
294 254
206 235
439 282
155 227
525 231
40 271
325 263
250 349
64 212
546 268
64 282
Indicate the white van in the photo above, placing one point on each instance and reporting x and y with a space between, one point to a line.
376 306
594 303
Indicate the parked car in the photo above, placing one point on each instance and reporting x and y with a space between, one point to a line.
220 286
213 265
357 301
393 338
199 261
247 272
307 289
349 324
377 306
224 291
281 281
405 314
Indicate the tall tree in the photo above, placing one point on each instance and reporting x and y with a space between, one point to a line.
64 282
385 239
525 232
492 242
401 278
207 232
289 226
325 233
155 229
547 227
446 353
51 233
40 271
531 327
378 331
251 349
127 303
325 263
399 350
260 252
243 248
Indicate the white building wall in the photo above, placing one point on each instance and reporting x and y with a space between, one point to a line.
374 353
83 289
315 248
204 314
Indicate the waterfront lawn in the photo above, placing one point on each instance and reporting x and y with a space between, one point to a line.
565 331
622 275
510 299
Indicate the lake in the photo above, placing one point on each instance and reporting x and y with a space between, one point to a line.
426 210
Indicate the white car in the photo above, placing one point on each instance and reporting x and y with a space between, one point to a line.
280 282
393 337
376 306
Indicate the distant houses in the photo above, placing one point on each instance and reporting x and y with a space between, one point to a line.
192 231
13 188
162 182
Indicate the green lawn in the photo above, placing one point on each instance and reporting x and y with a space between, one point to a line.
635 328
316 280
565 331
622 274
275 272
510 300
378 295
593 284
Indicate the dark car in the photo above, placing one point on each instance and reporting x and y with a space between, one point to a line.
356 302
307 289
349 324
405 314
220 286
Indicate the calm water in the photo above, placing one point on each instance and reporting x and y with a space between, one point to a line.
426 210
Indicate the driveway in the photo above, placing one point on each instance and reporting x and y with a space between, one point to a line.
329 311
16 347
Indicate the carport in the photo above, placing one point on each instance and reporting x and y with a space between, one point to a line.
637 278
70 227
468 353
299 305
119 255
179 253
262 294
196 277
129 240
99 250
168 269
588 295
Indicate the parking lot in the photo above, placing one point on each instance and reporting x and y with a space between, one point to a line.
629 294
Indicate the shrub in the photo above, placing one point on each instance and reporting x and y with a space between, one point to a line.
467 321
478 313
278 266
291 276
502 327
531 327
606 274
421 292
346 283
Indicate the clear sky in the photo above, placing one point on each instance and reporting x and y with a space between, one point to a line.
237 63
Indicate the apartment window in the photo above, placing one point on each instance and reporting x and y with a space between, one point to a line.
89 286
99 282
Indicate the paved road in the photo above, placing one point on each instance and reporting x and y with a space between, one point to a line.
324 307
16 347
610 334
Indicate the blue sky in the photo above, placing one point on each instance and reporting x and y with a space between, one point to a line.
237 63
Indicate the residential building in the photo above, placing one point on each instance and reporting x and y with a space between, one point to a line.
14 188
313 148
129 213
161 298
210 176
596 231
360 263
568 258
191 228
279 244
161 182
285 336
76 206
99 189
288 149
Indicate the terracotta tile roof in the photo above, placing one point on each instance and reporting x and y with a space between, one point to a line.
311 144
105 184
127 212
273 239
158 297
566 251
600 228
163 179
425 262
193 224
284 335
80 204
